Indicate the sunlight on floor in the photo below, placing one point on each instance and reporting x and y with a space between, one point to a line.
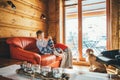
110 70
81 68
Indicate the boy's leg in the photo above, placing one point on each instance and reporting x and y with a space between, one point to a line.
68 54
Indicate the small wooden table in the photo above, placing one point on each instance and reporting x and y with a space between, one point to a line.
10 72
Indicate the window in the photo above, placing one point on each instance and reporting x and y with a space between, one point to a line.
93 26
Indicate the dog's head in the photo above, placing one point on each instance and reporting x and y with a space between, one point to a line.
89 51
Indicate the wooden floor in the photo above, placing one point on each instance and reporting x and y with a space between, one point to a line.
110 70
82 68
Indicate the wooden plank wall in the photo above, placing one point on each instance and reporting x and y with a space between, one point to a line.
53 20
24 20
115 24
119 24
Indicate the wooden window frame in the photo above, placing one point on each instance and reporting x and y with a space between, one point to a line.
108 20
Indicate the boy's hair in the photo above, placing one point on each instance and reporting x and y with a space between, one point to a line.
39 32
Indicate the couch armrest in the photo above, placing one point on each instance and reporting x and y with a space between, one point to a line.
60 45
106 60
26 55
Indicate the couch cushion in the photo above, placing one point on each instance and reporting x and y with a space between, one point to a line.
58 58
110 53
15 42
23 42
47 59
28 43
106 60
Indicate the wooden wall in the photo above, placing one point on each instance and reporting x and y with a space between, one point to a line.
119 24
24 20
115 24
53 19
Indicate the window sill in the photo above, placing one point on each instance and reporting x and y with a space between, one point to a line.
83 63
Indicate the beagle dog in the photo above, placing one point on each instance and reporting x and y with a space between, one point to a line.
95 66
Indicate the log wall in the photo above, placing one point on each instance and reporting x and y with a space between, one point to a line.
119 25
53 20
115 24
24 20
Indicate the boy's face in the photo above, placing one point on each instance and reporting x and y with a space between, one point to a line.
40 36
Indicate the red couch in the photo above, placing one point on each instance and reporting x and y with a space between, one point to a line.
24 48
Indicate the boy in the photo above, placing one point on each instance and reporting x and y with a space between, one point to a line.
46 46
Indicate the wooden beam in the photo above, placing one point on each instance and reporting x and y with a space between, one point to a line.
80 30
85 4
88 11
94 10
94 3
75 15
109 26
71 5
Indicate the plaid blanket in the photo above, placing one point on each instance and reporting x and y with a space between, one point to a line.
49 49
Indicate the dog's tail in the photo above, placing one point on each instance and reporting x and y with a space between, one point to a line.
100 70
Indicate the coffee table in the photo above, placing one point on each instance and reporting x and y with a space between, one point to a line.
10 72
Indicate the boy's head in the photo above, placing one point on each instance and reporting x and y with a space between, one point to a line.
40 34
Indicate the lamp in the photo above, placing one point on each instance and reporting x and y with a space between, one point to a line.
11 4
42 16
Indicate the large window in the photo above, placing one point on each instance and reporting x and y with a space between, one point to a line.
71 26
93 26
72 36
94 34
